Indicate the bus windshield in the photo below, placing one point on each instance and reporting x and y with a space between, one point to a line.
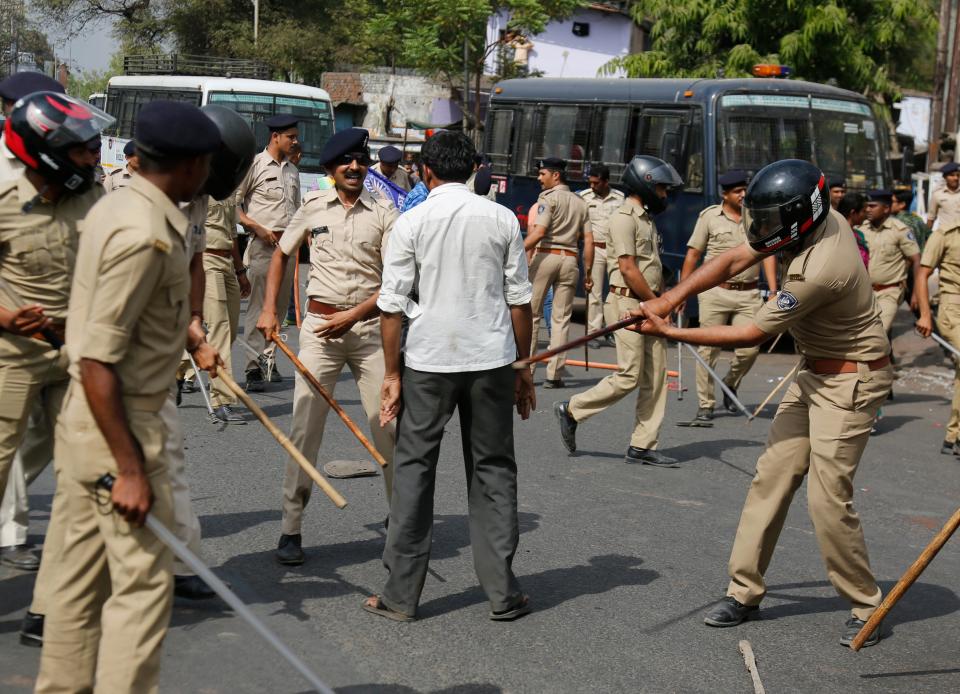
841 137
316 119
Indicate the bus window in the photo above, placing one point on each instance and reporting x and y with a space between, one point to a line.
692 161
612 139
748 142
674 136
500 138
562 131
124 104
849 146
523 163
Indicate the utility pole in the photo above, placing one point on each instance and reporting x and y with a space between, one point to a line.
939 80
466 84
256 20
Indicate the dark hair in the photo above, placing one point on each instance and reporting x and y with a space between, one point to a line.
449 155
851 202
601 171
904 196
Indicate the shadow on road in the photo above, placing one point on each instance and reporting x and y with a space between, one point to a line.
400 689
889 423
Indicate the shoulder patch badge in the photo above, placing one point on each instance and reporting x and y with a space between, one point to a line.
911 237
786 301
540 208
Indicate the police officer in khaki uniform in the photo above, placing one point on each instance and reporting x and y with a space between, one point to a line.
825 418
551 246
633 260
838 188
893 248
120 177
718 229
943 251
945 202
124 341
266 201
347 229
389 167
602 201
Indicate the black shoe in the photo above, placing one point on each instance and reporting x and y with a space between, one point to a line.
179 391
648 457
275 376
192 588
947 448
704 414
852 627
554 383
20 557
610 340
31 631
596 344
288 550
189 386
225 415
386 523
568 426
728 403
254 382
729 613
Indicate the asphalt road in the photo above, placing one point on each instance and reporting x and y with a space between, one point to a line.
620 561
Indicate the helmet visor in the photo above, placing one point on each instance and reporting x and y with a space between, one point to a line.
766 223
666 175
81 122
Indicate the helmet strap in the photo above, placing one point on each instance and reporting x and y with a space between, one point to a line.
32 202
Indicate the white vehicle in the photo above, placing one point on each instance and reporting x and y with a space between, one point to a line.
255 100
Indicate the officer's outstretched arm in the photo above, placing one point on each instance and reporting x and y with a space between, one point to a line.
716 270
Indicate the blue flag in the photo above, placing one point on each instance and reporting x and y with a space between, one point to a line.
378 184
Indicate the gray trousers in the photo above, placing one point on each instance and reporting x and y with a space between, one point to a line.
484 400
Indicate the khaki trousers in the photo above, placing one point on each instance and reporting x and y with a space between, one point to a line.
221 312
642 362
889 301
948 323
185 526
257 260
111 596
819 432
720 306
32 458
598 273
361 352
562 273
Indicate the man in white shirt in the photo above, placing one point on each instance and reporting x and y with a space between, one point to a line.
471 321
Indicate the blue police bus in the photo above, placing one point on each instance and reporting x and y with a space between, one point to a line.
701 126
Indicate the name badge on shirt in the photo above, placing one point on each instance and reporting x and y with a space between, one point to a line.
316 231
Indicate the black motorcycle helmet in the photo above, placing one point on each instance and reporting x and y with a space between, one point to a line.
233 159
44 126
784 201
642 175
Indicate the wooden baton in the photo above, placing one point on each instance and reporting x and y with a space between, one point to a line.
912 574
296 286
543 356
305 372
773 392
282 439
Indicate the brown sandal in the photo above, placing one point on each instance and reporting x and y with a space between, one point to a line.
374 605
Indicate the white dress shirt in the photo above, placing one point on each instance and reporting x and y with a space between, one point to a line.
466 256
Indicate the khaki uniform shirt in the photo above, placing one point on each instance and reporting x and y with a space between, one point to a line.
270 192
826 300
633 233
130 301
347 246
38 250
716 233
196 212
891 245
400 177
10 166
599 211
221 224
943 251
117 179
945 206
564 215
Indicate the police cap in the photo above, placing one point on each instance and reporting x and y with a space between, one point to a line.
389 155
732 179
349 141
950 167
836 182
175 129
881 195
282 121
552 164
20 84
129 148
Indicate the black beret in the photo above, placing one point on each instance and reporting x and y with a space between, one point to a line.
949 167
553 163
836 182
389 154
282 121
20 84
732 179
881 195
175 128
347 141
129 148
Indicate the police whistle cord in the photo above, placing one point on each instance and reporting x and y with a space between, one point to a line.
312 380
543 356
282 439
203 389
723 386
220 588
907 580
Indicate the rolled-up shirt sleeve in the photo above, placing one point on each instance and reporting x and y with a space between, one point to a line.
399 272
517 289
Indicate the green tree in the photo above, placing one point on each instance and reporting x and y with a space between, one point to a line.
856 43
